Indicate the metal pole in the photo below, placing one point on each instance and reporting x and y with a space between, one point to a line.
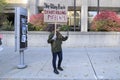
67 28
74 15
68 31
21 65
98 6
55 29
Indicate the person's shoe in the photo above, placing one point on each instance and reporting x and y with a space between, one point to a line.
60 68
56 72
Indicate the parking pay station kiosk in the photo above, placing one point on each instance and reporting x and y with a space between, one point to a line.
21 29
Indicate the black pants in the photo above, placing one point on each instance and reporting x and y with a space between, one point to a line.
59 54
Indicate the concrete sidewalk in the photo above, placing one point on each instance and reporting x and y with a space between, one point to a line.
78 64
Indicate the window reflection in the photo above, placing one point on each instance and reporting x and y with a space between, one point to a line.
91 15
71 19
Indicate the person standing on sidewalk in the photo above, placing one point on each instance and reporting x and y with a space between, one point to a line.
56 47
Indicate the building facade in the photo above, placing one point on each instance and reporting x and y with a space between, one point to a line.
84 10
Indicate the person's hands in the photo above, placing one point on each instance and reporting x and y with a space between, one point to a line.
66 36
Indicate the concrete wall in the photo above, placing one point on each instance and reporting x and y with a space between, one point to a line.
103 3
17 1
76 39
68 2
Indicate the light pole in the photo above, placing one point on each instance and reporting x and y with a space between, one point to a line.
98 6
74 15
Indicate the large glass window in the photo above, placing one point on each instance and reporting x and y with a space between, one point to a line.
71 20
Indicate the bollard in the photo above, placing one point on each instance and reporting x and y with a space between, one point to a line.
21 65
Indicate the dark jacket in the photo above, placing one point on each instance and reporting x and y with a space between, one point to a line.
56 44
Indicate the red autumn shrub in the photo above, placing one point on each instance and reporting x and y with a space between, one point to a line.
37 21
106 21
